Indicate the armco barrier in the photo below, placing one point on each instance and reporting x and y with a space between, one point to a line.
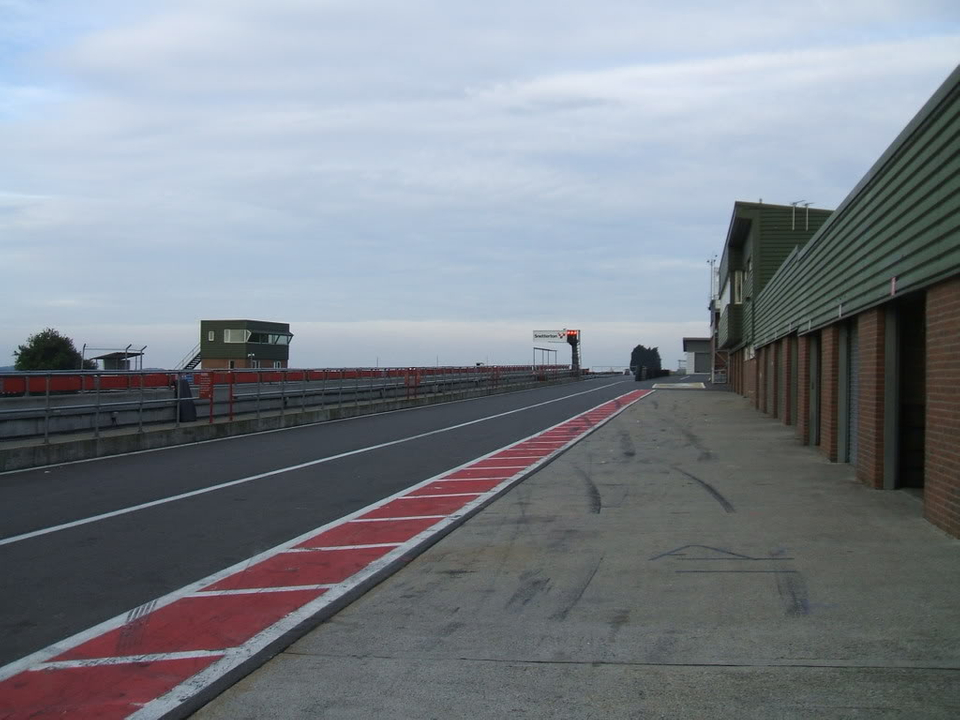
100 413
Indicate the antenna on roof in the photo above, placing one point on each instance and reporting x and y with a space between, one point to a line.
807 205
793 215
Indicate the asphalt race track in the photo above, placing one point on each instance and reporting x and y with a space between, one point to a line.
214 504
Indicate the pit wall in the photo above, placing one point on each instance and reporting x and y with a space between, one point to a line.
19 454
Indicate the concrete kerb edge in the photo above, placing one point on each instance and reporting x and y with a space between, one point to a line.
260 657
29 457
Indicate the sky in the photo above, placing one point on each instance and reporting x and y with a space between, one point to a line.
424 182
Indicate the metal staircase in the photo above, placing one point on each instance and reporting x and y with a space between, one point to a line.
190 360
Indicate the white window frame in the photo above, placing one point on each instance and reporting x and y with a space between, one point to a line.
230 336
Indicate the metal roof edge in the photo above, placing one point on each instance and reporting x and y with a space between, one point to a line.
928 109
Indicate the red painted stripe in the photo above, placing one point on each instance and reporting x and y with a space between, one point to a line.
501 462
312 567
527 453
419 506
472 472
194 623
353 533
460 486
106 692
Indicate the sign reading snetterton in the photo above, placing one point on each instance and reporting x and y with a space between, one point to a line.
550 336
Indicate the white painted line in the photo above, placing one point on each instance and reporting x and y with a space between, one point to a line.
420 497
502 467
343 547
258 591
129 659
523 457
271 473
470 479
405 517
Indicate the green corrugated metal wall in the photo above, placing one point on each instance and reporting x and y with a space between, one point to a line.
902 220
781 235
746 335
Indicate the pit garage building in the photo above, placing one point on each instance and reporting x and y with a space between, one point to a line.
854 337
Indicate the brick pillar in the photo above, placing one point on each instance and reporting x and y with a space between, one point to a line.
750 378
773 403
829 387
740 388
803 389
870 336
735 372
941 491
785 405
761 378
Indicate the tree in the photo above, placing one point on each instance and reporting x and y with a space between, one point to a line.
646 357
49 350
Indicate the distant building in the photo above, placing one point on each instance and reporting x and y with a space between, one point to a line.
760 238
699 352
122 360
244 344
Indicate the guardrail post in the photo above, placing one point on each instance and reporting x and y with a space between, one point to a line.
96 416
258 398
283 396
46 414
140 407
340 394
303 391
176 398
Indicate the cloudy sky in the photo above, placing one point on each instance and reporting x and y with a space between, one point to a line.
429 180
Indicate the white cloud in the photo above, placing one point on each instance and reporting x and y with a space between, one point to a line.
430 162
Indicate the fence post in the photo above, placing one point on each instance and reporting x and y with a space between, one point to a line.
96 417
140 407
303 393
283 395
258 398
46 414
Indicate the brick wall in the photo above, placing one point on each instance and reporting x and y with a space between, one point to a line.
784 380
803 389
829 386
942 444
773 402
750 378
870 336
761 365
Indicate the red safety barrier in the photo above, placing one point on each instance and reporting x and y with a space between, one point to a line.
91 381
